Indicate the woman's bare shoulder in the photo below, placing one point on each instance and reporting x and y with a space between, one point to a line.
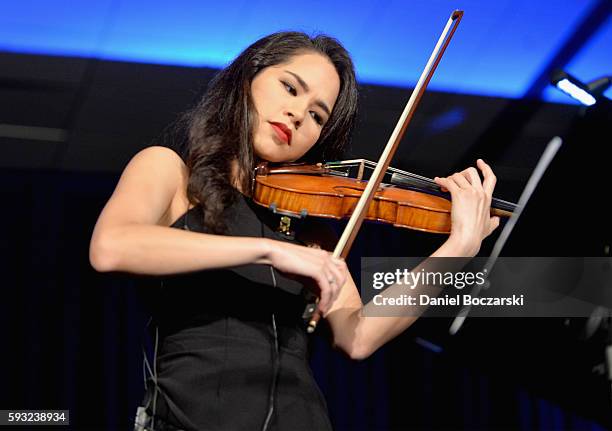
158 151
149 190
180 203
170 159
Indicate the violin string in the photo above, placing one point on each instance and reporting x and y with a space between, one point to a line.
426 180
372 165
415 180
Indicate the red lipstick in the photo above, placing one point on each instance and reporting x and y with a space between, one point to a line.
282 131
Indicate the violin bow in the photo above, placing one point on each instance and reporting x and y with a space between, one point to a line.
354 224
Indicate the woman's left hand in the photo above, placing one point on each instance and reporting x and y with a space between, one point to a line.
471 220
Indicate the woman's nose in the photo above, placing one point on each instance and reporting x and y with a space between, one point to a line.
295 120
296 114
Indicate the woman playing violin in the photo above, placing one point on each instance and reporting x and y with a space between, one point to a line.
232 346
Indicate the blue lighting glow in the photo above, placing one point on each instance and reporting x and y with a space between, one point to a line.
499 49
446 121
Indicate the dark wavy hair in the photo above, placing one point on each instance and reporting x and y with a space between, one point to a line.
219 127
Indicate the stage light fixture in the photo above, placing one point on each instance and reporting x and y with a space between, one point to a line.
587 94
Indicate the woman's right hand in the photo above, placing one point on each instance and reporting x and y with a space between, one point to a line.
328 273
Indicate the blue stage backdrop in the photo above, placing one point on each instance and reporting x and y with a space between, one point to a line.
500 49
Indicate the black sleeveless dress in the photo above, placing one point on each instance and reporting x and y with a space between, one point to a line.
217 363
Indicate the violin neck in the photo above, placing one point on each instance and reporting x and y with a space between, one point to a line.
361 168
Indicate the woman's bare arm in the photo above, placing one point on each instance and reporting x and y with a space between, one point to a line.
131 234
360 335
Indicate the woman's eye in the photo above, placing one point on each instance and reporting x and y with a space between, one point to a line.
317 118
290 88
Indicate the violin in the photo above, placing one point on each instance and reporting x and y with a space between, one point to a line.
332 190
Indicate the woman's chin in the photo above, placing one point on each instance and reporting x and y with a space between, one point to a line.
272 156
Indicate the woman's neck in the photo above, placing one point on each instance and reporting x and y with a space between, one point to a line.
237 176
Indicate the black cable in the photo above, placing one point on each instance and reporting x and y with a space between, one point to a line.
142 421
274 377
153 376
276 355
